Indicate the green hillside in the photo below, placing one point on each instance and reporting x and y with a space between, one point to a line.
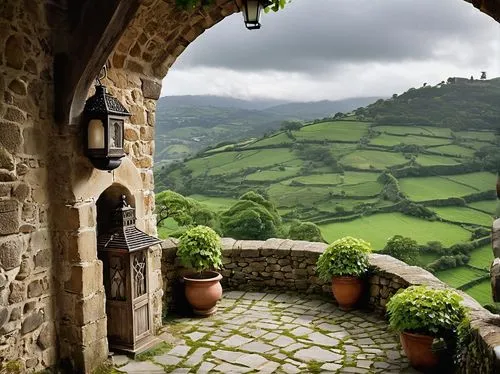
188 124
346 177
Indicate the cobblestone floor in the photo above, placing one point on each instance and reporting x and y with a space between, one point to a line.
274 333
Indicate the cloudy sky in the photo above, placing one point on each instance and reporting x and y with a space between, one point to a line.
334 49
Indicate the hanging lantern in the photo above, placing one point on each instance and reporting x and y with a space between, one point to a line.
123 249
105 117
251 12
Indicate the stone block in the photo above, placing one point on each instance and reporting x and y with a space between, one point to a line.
11 249
88 358
147 133
47 337
14 55
6 159
10 218
17 292
25 269
85 279
18 87
43 258
10 136
90 309
35 288
39 240
77 216
93 331
151 89
32 322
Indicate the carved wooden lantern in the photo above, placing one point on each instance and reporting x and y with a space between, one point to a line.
105 117
123 250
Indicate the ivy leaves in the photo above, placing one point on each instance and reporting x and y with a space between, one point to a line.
345 256
425 310
200 249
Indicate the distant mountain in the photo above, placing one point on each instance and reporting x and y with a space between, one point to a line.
188 124
317 109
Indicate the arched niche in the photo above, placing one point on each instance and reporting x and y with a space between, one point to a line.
108 201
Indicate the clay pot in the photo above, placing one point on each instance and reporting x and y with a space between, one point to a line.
347 291
418 349
203 292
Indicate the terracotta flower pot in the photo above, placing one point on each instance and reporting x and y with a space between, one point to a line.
347 291
418 349
203 292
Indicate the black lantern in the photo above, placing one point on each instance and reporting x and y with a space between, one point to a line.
123 249
105 119
251 12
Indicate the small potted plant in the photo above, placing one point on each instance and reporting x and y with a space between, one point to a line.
344 262
424 316
200 250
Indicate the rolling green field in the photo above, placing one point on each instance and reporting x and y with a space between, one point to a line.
488 206
482 257
431 188
343 192
391 140
459 276
366 159
347 131
454 150
463 215
481 292
379 227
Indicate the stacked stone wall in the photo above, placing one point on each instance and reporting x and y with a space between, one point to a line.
27 290
286 265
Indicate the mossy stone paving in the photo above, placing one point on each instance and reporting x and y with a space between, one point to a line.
254 332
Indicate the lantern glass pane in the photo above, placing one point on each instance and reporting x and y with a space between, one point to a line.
251 11
139 266
117 278
116 134
95 134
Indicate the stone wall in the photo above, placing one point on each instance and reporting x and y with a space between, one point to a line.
27 292
282 264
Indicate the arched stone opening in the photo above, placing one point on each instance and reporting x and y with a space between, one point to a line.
107 203
157 34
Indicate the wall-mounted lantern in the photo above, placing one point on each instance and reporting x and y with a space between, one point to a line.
251 12
123 249
104 117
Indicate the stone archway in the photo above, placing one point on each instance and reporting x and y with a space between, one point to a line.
140 57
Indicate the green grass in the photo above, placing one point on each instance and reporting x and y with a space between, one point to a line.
430 188
280 138
326 179
216 204
347 204
488 206
392 140
367 159
463 215
481 181
333 131
457 277
288 196
273 174
378 228
481 292
415 130
454 150
167 227
482 257
231 162
431 160
486 136
425 258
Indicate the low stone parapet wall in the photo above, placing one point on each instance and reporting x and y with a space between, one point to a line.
282 264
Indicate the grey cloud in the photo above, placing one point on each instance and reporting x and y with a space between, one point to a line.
313 36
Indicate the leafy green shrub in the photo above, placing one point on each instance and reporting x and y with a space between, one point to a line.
305 231
200 249
345 256
425 310
404 249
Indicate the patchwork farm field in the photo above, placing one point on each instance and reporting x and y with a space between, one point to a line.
334 174
378 228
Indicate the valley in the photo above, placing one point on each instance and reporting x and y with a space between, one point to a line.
368 180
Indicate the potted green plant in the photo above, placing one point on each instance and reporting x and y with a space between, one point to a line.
200 249
424 315
344 262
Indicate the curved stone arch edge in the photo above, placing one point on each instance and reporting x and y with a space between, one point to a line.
386 276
